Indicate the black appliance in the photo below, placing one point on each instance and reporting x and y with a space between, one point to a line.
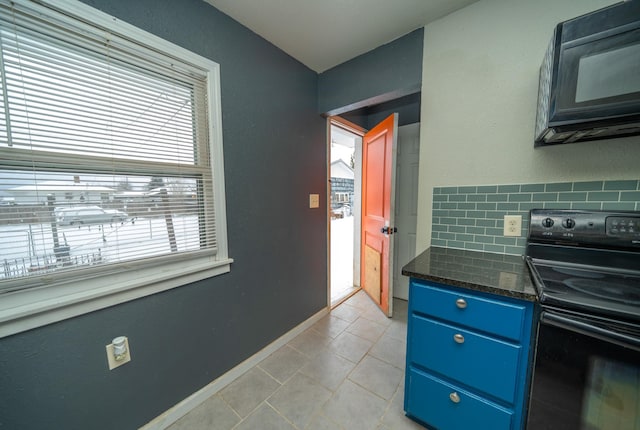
585 266
590 78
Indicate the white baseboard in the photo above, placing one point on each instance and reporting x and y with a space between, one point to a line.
172 415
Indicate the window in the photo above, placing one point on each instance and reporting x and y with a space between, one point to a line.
342 197
111 154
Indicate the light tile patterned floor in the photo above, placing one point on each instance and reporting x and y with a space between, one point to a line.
345 372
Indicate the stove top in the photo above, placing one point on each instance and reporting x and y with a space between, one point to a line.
600 291
580 261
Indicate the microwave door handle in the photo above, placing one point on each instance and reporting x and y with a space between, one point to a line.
590 330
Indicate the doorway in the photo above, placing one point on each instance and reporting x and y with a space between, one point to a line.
344 210
345 148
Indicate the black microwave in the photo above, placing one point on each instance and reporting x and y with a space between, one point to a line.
589 84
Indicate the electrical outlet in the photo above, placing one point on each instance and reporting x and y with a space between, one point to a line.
124 358
512 225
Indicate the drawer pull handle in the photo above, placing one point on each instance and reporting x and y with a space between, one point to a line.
461 303
458 338
455 398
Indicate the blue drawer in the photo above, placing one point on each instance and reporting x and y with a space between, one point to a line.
483 314
429 400
483 363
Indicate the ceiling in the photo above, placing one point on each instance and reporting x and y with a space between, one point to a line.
324 33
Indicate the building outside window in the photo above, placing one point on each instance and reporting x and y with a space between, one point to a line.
342 189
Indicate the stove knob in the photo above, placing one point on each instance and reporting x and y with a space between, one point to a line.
547 222
568 223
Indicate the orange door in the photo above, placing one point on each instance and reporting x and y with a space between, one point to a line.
378 177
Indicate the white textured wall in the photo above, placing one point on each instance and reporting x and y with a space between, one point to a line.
479 95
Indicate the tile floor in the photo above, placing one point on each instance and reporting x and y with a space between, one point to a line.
345 372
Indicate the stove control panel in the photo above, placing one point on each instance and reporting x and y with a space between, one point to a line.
623 226
585 227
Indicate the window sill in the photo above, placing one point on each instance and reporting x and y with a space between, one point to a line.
29 309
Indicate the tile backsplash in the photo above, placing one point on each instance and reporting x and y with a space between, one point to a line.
471 217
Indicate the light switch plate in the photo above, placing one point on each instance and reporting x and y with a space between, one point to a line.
314 201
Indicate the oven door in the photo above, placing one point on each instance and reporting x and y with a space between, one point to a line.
586 375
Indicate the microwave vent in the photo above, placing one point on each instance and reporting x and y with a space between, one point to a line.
544 88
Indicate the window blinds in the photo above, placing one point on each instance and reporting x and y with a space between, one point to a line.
104 151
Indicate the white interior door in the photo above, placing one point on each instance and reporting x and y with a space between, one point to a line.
406 216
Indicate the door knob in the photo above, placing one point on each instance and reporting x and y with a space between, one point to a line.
389 230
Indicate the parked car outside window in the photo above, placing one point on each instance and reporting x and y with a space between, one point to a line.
341 212
89 215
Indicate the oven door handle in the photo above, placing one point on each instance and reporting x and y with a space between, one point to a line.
590 330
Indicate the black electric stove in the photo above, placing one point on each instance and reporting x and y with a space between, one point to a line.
585 266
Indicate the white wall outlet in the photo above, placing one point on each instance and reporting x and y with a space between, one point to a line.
513 225
116 360
314 201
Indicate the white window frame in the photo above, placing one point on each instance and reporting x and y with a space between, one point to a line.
30 308
342 197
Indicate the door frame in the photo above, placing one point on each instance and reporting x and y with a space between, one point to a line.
346 125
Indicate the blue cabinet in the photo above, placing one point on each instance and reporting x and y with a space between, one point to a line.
467 358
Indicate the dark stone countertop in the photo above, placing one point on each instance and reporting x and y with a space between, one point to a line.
505 275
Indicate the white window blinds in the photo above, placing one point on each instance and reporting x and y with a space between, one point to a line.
105 157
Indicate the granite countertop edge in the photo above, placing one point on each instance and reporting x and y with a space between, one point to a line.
498 274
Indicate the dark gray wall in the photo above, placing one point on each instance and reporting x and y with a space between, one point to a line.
386 73
56 377
407 108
